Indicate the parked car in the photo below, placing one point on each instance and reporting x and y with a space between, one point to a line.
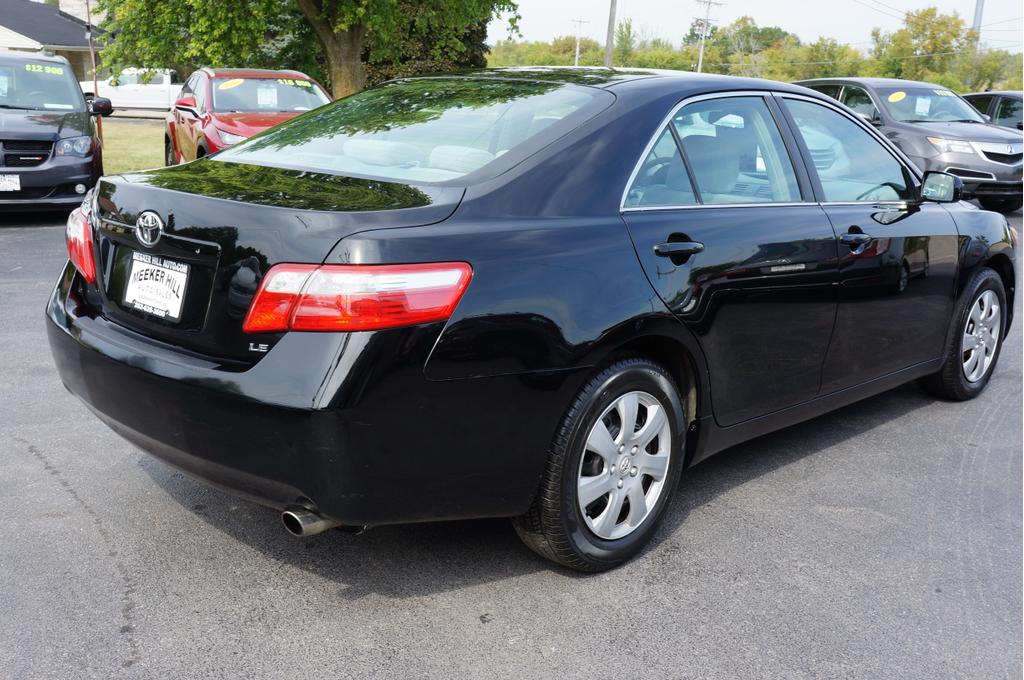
938 130
220 107
1003 107
136 88
539 294
50 154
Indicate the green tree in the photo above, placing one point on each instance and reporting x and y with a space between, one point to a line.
928 45
625 42
185 33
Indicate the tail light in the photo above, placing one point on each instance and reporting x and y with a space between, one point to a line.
79 238
332 297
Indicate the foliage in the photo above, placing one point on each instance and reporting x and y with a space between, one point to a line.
329 39
929 46
625 42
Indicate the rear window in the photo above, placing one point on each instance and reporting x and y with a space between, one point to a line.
428 130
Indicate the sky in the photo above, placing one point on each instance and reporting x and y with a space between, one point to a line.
848 21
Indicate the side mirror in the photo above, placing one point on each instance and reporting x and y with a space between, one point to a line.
942 187
187 104
988 118
874 119
100 106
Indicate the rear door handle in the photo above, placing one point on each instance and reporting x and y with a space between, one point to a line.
678 249
854 238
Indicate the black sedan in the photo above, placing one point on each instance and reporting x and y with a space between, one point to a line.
537 294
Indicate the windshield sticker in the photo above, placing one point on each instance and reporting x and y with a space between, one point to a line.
48 70
3 85
266 97
228 84
57 106
897 96
922 105
290 81
944 93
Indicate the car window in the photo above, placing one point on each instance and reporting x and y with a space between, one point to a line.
980 101
851 164
158 79
266 94
38 85
1009 112
422 130
127 78
199 92
186 89
735 152
662 179
859 100
830 90
926 105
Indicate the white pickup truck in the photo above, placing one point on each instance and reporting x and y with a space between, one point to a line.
137 88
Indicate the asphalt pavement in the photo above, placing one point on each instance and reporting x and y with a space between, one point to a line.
879 541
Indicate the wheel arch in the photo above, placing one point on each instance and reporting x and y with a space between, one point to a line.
1003 266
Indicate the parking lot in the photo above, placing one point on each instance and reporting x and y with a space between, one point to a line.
881 540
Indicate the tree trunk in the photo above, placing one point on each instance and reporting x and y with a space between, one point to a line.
343 49
344 60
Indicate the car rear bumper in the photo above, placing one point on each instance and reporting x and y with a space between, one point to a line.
378 444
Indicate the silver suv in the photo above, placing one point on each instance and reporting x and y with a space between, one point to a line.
938 130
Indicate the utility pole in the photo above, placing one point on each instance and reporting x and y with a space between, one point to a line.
705 24
979 9
92 55
579 25
610 39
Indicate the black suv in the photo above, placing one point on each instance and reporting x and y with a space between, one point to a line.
940 131
1003 107
50 154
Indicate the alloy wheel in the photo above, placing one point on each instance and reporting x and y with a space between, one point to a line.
624 466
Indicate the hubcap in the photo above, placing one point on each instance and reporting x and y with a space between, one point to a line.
981 336
623 468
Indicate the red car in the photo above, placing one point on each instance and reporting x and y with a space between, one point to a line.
220 107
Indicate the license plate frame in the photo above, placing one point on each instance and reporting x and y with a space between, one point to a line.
156 286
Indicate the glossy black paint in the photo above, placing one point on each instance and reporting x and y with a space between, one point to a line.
453 420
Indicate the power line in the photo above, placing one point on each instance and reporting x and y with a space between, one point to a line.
880 11
1002 21
836 61
895 9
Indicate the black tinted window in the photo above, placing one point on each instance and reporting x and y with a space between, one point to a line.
980 101
851 164
1009 112
830 90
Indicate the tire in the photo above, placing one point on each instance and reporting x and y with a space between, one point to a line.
1001 205
555 526
952 381
170 158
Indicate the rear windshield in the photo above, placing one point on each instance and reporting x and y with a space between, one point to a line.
428 130
268 95
927 104
39 85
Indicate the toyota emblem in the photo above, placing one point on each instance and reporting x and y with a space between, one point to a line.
149 228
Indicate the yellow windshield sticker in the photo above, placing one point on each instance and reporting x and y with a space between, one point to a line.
48 70
897 96
228 84
943 93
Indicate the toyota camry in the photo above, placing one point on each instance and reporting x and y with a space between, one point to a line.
540 294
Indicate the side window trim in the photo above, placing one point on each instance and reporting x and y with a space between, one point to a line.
787 137
686 162
907 167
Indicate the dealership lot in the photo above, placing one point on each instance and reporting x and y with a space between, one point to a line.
880 540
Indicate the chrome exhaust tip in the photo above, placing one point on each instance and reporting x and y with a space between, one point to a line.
304 522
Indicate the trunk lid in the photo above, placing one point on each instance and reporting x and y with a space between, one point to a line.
223 226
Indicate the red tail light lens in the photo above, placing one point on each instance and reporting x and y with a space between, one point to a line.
355 297
79 238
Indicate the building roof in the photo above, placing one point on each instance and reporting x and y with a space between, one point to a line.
43 23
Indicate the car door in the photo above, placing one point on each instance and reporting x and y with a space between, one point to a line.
186 120
898 255
728 233
151 94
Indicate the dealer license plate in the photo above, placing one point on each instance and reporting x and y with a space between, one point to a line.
156 286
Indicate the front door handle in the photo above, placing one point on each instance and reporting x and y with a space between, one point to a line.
678 249
854 238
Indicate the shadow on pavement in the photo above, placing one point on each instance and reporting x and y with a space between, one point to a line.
422 559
